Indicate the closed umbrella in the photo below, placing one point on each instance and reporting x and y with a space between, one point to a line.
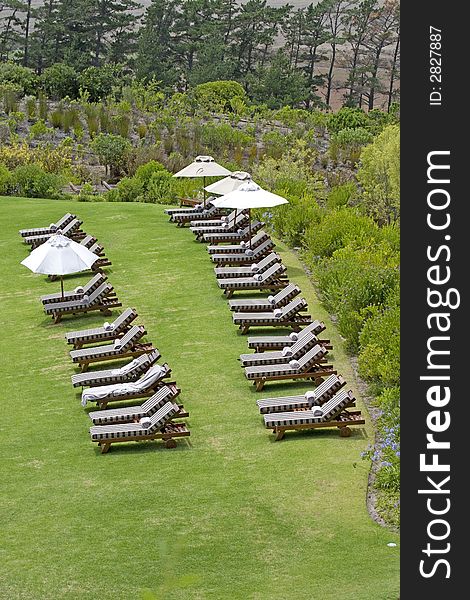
203 166
61 256
249 195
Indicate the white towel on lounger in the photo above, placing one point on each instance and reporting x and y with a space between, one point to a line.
294 364
278 313
254 267
271 300
294 336
258 277
126 368
287 351
79 289
117 344
249 252
145 422
317 412
310 396
243 244
108 326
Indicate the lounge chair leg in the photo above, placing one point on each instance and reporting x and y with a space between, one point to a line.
229 293
344 431
56 318
171 443
244 329
280 433
259 384
84 366
106 312
105 447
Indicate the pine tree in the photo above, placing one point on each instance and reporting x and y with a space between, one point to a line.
12 13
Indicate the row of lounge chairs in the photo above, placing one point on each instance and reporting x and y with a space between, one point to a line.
245 259
157 417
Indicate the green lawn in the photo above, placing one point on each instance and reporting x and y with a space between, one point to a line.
229 514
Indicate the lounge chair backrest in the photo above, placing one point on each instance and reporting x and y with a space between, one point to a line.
303 345
316 327
269 260
259 237
266 244
99 293
87 241
338 403
74 224
293 307
131 337
158 399
94 282
129 315
162 416
325 387
290 291
65 219
273 271
311 357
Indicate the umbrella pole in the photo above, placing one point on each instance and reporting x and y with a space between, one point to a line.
62 285
204 189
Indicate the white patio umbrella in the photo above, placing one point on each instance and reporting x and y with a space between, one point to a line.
249 195
229 184
61 256
203 166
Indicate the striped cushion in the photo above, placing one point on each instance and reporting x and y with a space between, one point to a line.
62 222
96 297
128 340
133 413
260 238
279 341
135 430
88 288
271 358
106 376
119 324
307 361
287 403
331 410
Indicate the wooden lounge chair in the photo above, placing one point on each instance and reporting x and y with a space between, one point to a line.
131 371
103 299
146 385
128 345
259 267
71 230
232 237
53 227
231 224
242 247
278 300
109 331
310 366
249 256
133 414
286 316
316 397
195 207
214 221
262 343
272 279
202 216
332 414
78 293
158 427
280 357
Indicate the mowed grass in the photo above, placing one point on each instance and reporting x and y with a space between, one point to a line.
230 514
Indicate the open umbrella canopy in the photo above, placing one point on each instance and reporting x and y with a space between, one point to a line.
59 255
203 166
229 184
249 195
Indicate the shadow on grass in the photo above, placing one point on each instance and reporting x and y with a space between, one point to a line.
145 447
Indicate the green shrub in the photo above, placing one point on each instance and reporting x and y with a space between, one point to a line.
338 229
129 189
24 79
160 188
98 82
6 180
347 118
379 358
30 102
112 151
11 93
216 96
33 182
39 129
348 143
290 221
60 81
340 195
145 172
275 143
